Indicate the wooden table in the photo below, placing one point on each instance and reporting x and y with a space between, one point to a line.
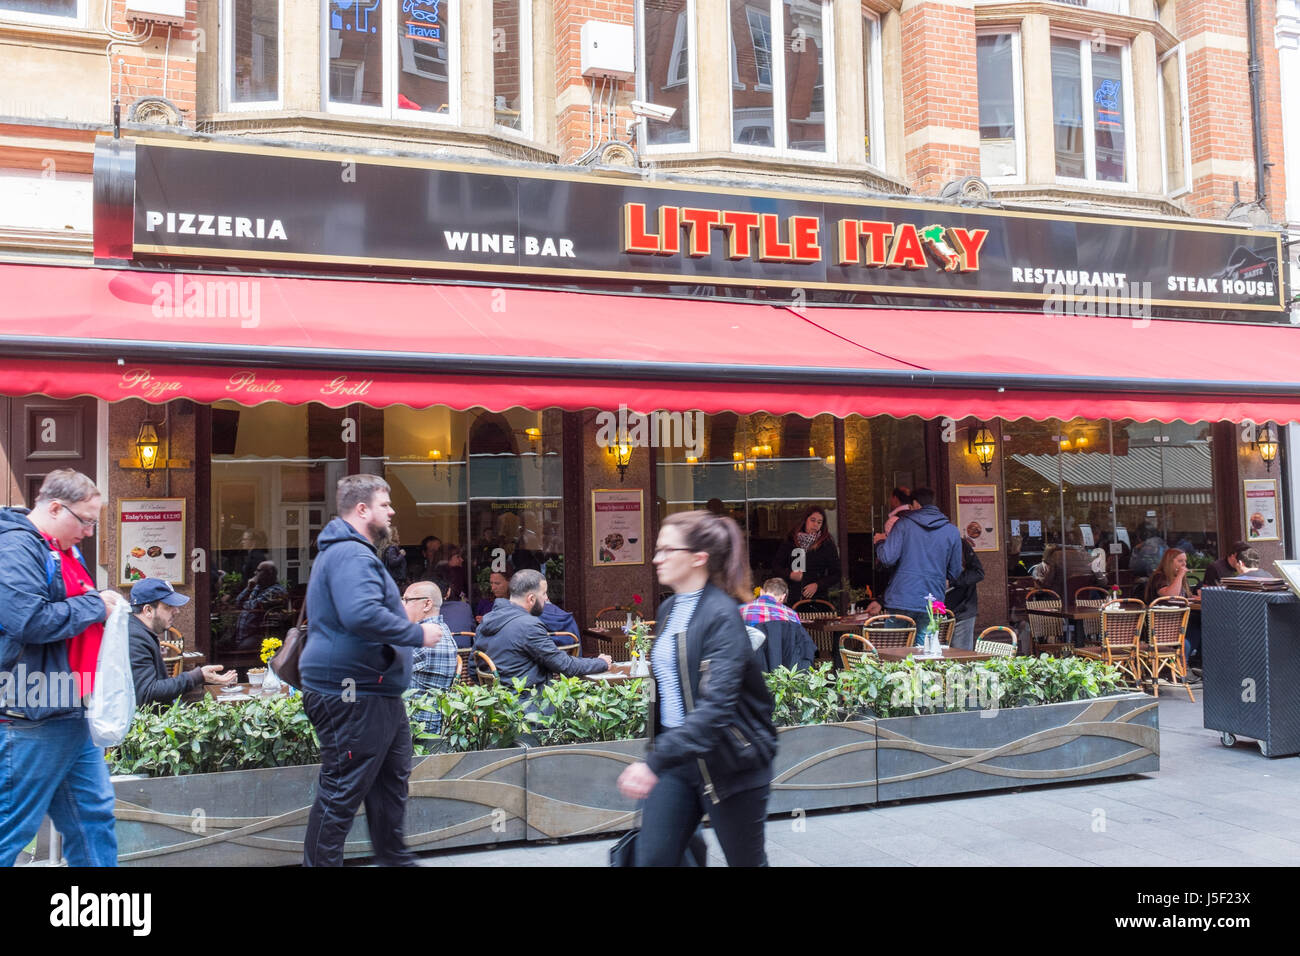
611 641
615 675
949 654
246 692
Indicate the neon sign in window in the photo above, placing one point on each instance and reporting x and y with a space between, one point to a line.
423 23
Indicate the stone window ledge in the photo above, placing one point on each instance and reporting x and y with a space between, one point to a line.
774 172
1091 199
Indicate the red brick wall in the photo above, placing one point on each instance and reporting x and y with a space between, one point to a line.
574 124
939 85
140 71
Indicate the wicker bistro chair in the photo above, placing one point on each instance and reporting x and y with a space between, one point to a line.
1091 597
174 667
854 648
614 643
812 610
572 646
614 617
1044 630
998 640
487 677
1121 631
890 630
1165 647
464 673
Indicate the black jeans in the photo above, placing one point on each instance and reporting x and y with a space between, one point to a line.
365 749
676 805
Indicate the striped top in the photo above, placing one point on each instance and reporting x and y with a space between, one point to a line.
663 659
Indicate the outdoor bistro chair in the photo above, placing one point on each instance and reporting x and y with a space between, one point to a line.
177 663
1165 648
1091 597
1042 629
615 617
812 610
488 677
572 646
852 655
613 641
1121 630
890 630
998 640
464 673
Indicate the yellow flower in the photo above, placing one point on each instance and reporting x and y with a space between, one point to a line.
269 647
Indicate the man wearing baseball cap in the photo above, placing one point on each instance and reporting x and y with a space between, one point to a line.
153 608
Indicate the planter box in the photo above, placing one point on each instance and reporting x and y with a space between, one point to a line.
824 765
968 751
573 789
259 817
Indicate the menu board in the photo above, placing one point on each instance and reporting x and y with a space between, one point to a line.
617 527
1261 509
977 515
151 539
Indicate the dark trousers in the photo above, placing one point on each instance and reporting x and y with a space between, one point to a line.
365 749
675 807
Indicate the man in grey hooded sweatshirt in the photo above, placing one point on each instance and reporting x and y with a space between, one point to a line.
926 547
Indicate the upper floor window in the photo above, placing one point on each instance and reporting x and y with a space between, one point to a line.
666 69
250 53
997 64
873 90
782 100
512 66
57 12
1175 136
1091 109
392 58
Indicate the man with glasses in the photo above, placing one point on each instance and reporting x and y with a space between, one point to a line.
432 668
51 626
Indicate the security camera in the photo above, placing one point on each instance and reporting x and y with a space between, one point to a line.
652 111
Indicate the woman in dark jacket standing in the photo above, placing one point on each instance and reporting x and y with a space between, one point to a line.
820 567
712 739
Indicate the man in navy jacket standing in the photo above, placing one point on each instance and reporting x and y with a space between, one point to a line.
355 665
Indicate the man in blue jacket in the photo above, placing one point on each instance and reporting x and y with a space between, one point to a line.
926 546
48 763
355 665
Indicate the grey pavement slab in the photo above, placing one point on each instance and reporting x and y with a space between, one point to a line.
1207 806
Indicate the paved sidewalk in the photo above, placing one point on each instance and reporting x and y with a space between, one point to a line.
1207 806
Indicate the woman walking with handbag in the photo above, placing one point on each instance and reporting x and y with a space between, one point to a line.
712 737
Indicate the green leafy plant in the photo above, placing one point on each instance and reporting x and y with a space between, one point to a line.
803 697
573 710
475 717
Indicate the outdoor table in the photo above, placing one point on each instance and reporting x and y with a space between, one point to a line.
615 675
246 692
188 659
1070 617
949 654
611 641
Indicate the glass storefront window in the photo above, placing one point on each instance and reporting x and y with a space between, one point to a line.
763 470
274 472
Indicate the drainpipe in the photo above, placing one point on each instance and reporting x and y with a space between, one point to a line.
1255 112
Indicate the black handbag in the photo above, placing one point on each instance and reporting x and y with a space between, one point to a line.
285 662
623 853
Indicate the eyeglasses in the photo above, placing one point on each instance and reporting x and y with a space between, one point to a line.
91 523
659 551
406 600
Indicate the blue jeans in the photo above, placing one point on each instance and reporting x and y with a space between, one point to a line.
51 767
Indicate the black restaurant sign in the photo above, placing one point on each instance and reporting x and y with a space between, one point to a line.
216 202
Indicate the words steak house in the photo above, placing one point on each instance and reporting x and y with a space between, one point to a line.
686 230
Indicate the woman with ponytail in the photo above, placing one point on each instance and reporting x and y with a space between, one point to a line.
712 737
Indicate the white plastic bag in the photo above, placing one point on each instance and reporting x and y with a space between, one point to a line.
111 706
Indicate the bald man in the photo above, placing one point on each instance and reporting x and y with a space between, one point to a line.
432 668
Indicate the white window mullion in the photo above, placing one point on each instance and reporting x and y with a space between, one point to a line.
828 80
1130 118
392 58
1085 100
1162 106
776 41
1018 99
525 67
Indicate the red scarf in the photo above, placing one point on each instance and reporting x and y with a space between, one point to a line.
83 648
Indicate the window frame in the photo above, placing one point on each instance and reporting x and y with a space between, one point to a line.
875 93
1180 51
79 20
392 61
1018 102
525 130
1129 184
780 118
225 85
690 145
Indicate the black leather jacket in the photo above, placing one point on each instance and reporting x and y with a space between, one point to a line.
725 696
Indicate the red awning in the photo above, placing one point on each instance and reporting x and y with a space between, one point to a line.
252 339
